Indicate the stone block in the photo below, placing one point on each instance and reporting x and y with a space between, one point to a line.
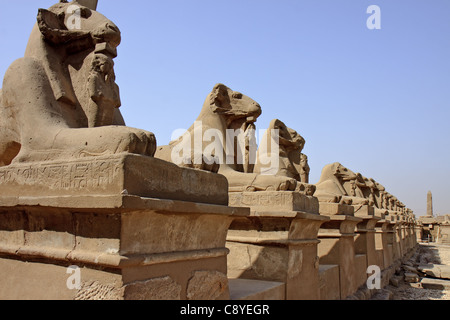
395 281
145 249
256 290
277 246
102 176
337 246
411 277
275 201
436 270
329 282
361 269
363 211
330 209
435 284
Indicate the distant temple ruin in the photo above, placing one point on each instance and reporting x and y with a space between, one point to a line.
429 204
434 228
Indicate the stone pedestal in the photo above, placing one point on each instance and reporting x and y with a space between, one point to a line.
396 234
384 251
337 247
402 226
412 234
277 242
393 250
408 233
365 238
418 233
110 175
329 282
118 243
398 245
331 209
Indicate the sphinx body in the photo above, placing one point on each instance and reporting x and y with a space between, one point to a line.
338 184
226 111
289 160
61 100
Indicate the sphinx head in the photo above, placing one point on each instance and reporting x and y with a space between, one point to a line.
76 27
77 45
342 172
238 110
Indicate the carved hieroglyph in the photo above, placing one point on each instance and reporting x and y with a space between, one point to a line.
61 100
126 174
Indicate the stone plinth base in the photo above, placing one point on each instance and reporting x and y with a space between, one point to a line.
363 211
382 244
365 239
274 201
141 249
277 248
337 247
277 243
361 269
331 209
395 239
256 290
329 282
126 174
383 213
131 227
398 217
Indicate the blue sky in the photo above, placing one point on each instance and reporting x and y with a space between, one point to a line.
378 101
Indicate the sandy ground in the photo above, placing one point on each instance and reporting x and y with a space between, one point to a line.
426 254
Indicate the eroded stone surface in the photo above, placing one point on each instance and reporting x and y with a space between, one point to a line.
62 135
275 201
207 285
133 175
93 290
164 288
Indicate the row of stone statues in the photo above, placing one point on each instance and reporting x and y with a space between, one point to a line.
77 186
68 107
339 184
226 110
